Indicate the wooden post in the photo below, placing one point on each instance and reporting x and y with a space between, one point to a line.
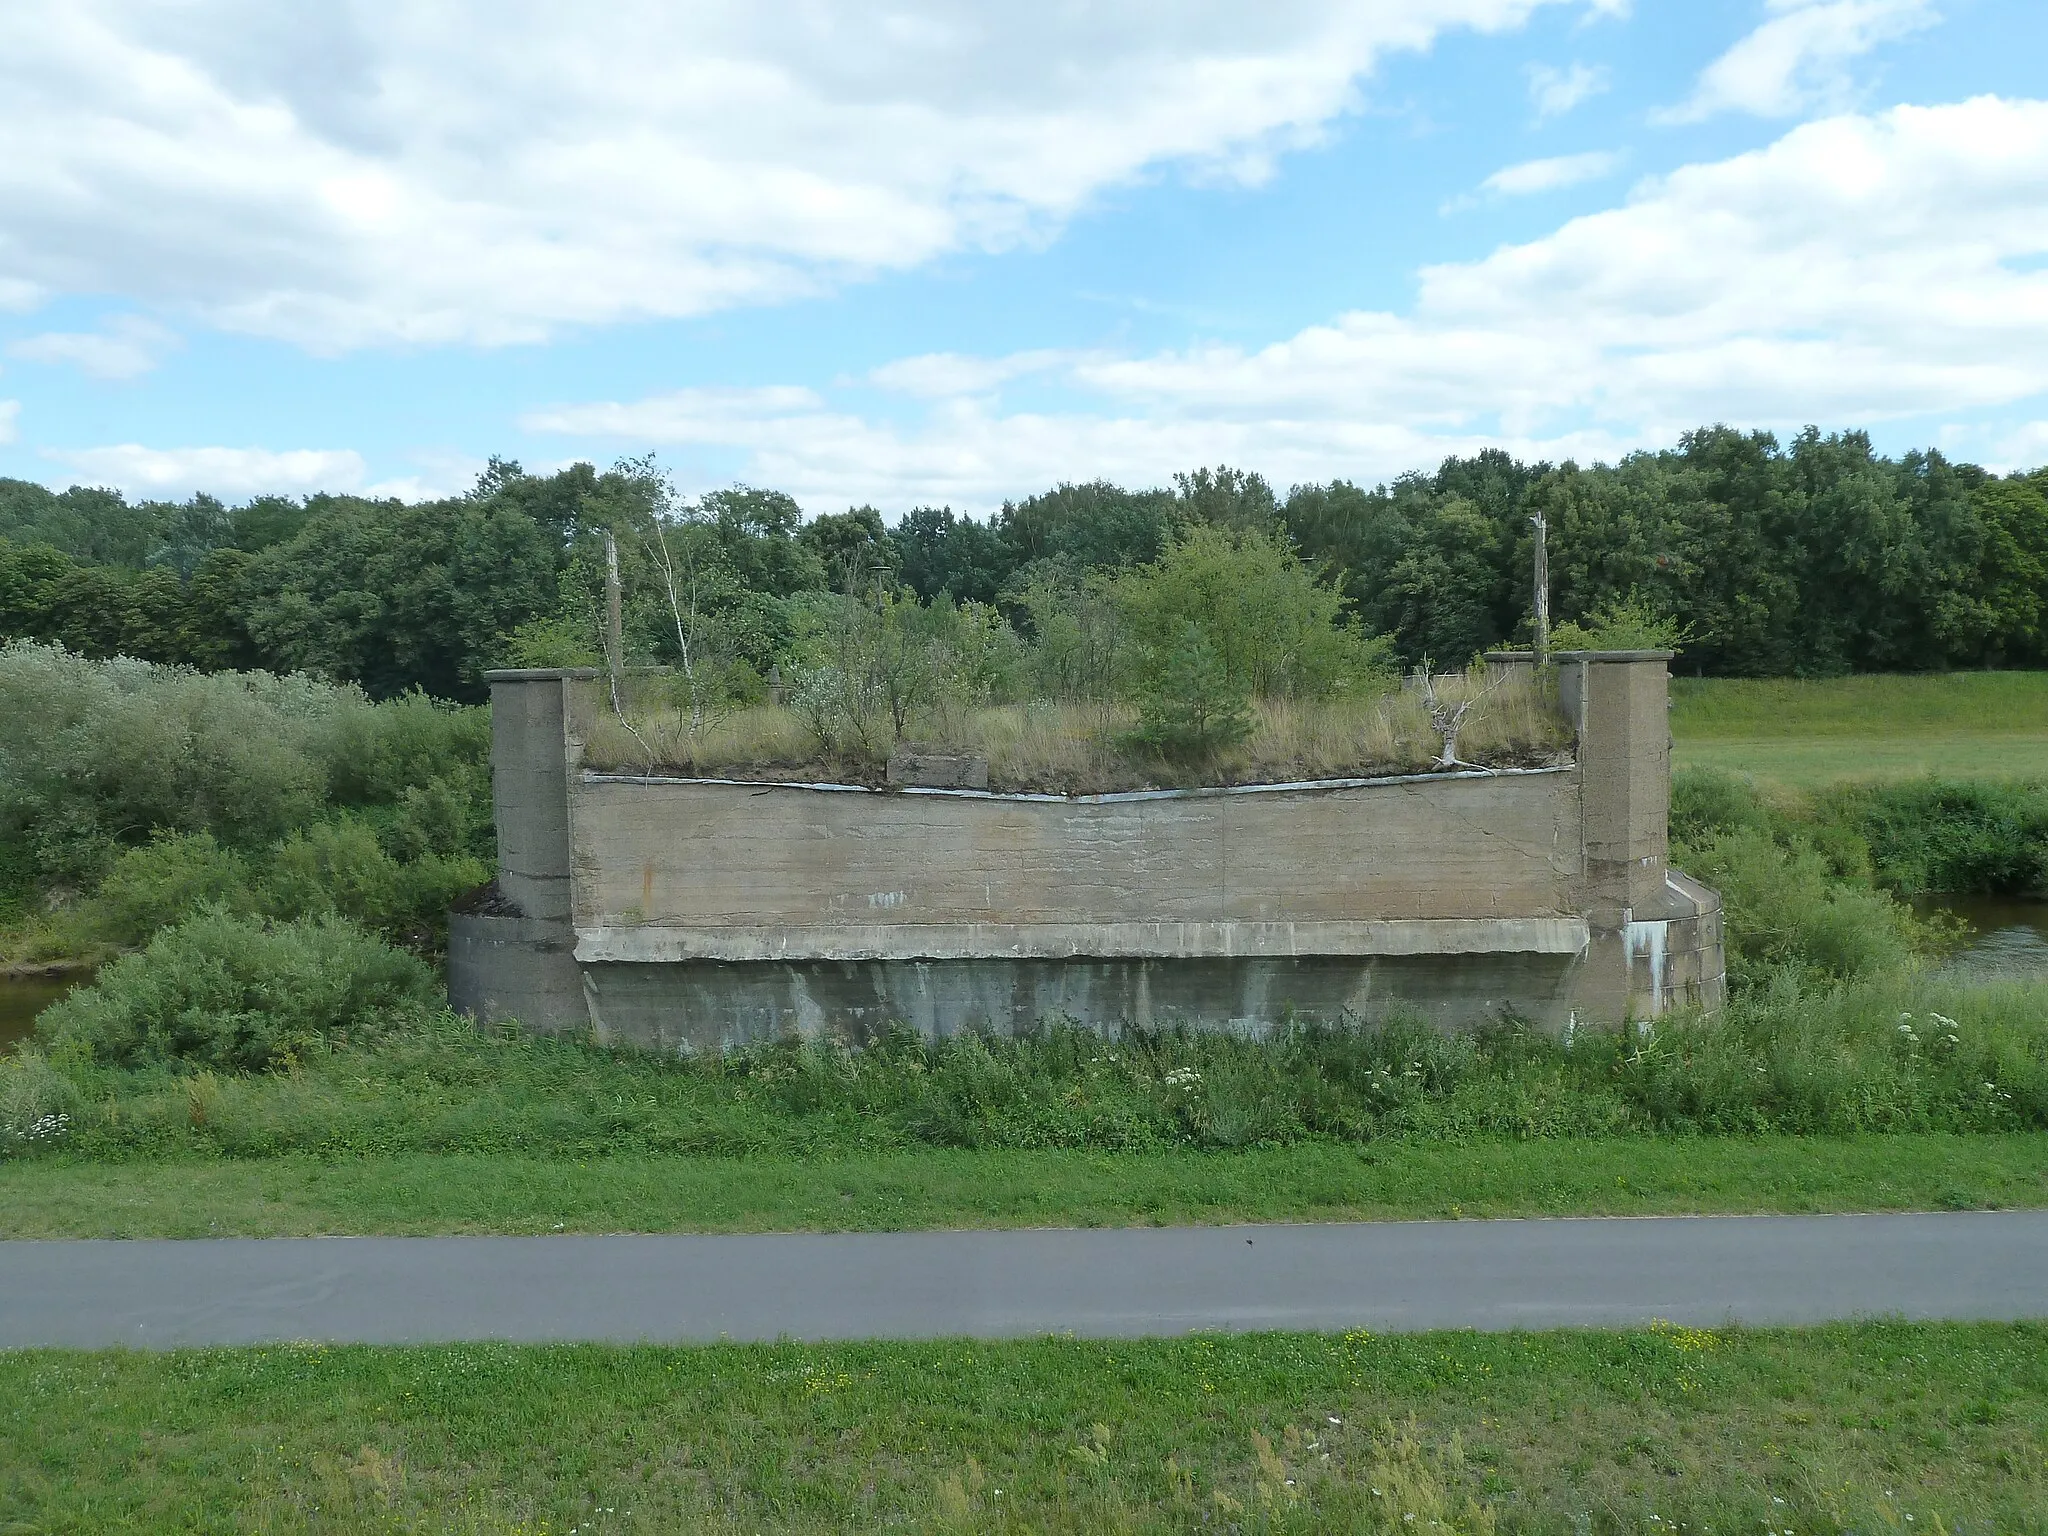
1542 645
614 616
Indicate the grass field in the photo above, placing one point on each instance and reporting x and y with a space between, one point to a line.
1804 733
1873 1428
305 1196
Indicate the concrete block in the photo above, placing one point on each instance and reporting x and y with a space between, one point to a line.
937 770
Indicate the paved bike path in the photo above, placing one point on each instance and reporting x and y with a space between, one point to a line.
1386 1277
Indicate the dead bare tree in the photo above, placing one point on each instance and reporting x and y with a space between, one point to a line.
1448 719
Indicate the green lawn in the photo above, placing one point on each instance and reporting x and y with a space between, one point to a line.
1804 733
1874 1428
423 1193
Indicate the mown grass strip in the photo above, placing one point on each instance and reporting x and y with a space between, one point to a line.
1815 764
1871 1427
1873 706
422 1194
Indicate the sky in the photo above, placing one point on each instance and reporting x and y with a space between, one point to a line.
953 252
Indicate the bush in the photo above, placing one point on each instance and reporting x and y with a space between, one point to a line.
1272 628
38 1104
1189 706
236 994
165 881
340 867
1950 834
116 751
1785 907
153 790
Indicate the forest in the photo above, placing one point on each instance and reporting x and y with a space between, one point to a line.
1810 558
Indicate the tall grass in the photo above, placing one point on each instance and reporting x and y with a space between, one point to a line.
1090 747
1889 1055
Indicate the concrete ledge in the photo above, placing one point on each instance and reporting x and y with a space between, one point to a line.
1116 797
1064 941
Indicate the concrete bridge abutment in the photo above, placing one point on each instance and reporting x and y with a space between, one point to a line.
694 914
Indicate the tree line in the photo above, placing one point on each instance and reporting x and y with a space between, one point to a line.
1812 557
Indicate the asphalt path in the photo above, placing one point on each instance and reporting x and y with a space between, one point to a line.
1108 1283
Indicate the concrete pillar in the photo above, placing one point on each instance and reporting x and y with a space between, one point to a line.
1620 703
539 720
515 959
1656 936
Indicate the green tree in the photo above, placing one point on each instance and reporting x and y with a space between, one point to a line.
396 597
937 552
852 546
1265 619
1191 704
1091 526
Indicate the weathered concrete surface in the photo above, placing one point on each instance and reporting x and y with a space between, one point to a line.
652 853
504 967
536 745
708 1006
1080 941
1388 1277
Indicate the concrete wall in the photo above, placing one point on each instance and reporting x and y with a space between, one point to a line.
701 913
680 857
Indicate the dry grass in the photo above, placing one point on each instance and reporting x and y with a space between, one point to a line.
1086 748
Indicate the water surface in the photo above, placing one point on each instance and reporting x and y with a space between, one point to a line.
2009 938
22 998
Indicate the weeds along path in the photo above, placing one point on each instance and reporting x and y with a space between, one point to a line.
1394 1277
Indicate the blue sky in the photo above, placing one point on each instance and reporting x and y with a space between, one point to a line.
953 253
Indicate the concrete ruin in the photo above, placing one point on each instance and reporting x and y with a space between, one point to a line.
699 914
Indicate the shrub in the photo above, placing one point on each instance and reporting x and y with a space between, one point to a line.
1631 623
38 1104
1189 705
1785 907
1950 834
166 880
115 751
1274 630
236 994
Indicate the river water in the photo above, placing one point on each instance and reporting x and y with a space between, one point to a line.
2008 938
22 998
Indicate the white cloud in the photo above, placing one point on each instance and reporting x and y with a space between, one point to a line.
939 375
10 419
437 473
681 416
1554 91
2021 447
1799 58
1860 268
1548 175
225 472
124 348
340 175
